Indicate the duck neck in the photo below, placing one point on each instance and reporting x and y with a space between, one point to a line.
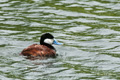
49 46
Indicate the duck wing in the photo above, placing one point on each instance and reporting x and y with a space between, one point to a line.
36 50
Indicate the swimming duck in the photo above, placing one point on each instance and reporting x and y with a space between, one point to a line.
44 49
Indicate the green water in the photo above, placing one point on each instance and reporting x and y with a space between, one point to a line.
89 29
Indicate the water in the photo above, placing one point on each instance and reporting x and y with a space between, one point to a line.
89 30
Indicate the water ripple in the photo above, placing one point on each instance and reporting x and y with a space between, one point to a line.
88 29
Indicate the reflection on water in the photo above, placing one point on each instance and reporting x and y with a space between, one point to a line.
89 30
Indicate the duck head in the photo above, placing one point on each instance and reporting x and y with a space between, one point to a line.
49 39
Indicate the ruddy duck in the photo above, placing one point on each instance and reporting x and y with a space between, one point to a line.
44 49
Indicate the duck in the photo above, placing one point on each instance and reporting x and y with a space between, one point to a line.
44 49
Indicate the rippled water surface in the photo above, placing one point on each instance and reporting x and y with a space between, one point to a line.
89 29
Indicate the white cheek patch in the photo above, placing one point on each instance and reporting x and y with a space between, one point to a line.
48 41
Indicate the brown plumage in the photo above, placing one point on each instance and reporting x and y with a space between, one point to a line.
36 50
